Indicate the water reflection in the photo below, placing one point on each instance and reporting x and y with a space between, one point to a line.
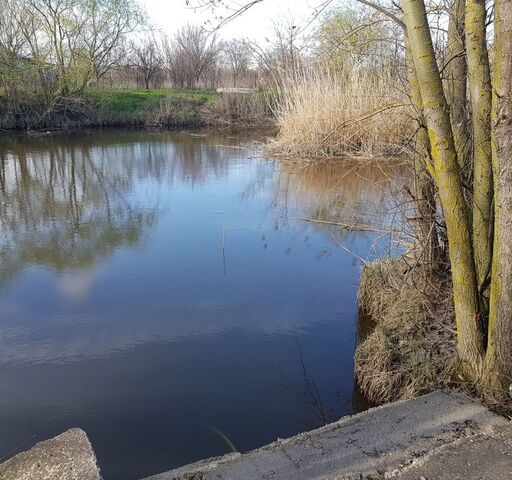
350 193
156 285
64 208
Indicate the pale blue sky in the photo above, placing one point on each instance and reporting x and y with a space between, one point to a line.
257 23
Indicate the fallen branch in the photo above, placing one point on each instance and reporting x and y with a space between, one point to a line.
349 226
347 250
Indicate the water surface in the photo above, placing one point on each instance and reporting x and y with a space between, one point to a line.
163 292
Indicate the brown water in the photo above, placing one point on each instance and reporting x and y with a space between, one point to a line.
158 289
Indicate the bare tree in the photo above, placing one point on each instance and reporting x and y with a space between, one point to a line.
191 55
146 58
109 23
65 43
12 46
238 57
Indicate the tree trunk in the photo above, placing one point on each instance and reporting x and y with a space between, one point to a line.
499 349
456 79
470 345
423 181
481 103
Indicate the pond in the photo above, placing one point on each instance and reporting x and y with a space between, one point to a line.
167 293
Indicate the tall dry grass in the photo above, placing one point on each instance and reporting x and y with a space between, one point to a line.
241 110
321 112
410 350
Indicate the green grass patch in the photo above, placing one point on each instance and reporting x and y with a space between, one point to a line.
165 108
137 103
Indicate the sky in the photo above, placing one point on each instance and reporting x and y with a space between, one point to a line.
255 24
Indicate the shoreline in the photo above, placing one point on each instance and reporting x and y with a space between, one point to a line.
143 109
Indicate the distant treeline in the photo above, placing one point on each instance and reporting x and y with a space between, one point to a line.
56 56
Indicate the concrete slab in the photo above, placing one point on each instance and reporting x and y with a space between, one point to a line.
68 456
369 443
478 457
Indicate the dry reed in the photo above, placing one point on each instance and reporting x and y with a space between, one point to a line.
356 113
240 110
411 348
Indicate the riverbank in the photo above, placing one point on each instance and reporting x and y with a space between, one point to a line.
408 344
403 440
168 109
409 348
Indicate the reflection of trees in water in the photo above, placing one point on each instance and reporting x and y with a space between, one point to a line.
341 191
62 207
63 200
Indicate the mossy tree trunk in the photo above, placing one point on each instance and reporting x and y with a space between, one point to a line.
479 229
425 190
470 344
481 105
456 71
499 348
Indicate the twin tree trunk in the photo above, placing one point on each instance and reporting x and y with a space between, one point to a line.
456 71
447 175
480 232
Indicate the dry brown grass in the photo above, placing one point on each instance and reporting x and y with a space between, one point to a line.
240 110
321 113
411 349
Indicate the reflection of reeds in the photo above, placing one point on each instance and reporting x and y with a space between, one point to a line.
349 195
305 391
322 113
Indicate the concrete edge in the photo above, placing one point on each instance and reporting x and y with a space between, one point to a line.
68 456
482 417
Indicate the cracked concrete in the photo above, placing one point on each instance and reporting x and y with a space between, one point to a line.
367 445
477 457
438 436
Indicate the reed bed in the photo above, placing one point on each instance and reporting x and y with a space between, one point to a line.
359 112
411 348
241 110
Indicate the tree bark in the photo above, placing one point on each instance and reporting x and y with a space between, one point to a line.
499 348
481 104
470 344
456 80
425 190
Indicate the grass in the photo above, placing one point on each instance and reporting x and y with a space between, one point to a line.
105 108
140 105
143 108
358 112
410 350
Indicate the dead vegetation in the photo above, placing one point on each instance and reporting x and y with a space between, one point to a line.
241 110
354 113
411 348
